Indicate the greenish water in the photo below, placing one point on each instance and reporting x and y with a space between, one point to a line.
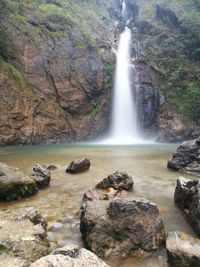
59 202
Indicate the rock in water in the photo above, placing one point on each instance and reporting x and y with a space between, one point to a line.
117 227
183 250
187 158
22 233
70 256
14 184
187 198
117 180
42 176
78 165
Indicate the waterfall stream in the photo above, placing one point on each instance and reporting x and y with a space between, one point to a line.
124 128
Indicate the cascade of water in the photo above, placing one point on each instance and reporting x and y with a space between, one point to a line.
124 117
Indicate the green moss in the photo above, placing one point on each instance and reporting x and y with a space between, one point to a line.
108 74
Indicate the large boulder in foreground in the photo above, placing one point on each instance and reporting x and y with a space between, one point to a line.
23 235
187 158
118 181
183 250
14 184
70 256
78 165
41 175
117 227
187 198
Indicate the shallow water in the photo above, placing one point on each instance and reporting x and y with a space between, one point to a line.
59 202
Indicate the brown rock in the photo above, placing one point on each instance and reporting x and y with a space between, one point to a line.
78 165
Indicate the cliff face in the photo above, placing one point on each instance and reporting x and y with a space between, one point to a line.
57 66
56 86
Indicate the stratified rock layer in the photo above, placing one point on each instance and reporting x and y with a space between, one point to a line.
183 250
119 226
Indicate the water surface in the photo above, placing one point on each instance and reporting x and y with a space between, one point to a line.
59 202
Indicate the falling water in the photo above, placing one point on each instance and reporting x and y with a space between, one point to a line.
123 123
124 128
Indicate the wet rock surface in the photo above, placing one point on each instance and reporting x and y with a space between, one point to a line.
187 198
70 256
115 228
14 184
41 175
117 180
187 158
78 165
183 250
23 236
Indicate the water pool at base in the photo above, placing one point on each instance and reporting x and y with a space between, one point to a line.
62 199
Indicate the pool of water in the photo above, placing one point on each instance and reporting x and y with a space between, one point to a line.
60 202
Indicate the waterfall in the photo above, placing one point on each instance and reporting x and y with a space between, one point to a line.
124 117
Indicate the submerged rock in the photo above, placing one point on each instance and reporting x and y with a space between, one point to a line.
117 180
42 176
78 165
187 198
187 158
14 184
117 227
22 233
183 250
70 256
52 167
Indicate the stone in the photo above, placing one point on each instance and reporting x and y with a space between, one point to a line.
78 165
117 180
187 198
183 250
119 226
52 167
14 184
93 194
70 256
41 175
22 237
187 158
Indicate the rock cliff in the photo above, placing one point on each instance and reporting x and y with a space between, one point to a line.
56 68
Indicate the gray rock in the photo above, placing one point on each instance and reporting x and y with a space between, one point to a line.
119 226
187 198
117 180
14 184
78 165
21 237
186 158
42 176
70 256
183 250
52 167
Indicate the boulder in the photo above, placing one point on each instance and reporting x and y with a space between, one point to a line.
187 198
183 250
78 165
70 256
41 175
23 235
52 167
117 180
14 184
187 158
117 227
